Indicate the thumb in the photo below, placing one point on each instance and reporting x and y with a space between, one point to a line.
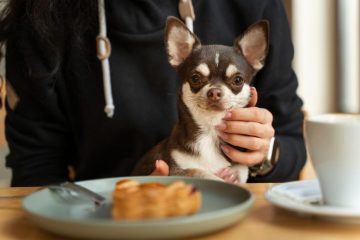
254 97
161 168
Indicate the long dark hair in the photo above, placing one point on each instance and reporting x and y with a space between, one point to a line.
50 20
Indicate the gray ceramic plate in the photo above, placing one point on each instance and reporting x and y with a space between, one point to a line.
222 205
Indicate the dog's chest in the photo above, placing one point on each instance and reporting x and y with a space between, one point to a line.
207 153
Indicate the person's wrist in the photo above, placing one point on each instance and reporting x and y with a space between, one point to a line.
269 162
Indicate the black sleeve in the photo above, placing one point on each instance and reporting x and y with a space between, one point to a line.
36 128
276 84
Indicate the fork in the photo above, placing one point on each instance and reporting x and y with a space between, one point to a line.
72 191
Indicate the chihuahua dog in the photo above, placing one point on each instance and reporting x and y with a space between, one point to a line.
215 79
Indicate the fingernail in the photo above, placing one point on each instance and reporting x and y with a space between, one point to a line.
225 149
221 126
227 115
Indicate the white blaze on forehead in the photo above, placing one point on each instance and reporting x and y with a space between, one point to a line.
231 70
217 55
203 68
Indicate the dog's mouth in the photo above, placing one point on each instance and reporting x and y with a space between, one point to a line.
222 105
216 106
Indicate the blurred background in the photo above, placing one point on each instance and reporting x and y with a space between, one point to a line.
326 36
326 40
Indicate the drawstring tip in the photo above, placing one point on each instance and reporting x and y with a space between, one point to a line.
109 110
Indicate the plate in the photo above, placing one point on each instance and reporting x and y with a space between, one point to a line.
305 197
223 205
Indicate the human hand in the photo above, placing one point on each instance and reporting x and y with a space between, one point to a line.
161 168
249 128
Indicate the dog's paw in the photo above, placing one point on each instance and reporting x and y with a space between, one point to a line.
199 173
229 175
207 175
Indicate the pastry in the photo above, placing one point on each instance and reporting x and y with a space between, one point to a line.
133 200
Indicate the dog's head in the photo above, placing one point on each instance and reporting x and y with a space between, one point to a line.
216 77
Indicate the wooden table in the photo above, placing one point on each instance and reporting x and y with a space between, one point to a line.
264 222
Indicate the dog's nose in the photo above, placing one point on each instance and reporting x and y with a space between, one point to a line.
214 94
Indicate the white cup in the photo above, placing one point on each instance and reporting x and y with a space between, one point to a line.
333 142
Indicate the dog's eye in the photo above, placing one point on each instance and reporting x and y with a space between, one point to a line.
195 78
238 80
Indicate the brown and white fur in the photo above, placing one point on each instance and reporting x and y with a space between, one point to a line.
215 79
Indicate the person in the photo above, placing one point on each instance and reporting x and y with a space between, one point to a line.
55 117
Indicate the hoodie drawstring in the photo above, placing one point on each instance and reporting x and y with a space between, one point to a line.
103 46
103 52
187 14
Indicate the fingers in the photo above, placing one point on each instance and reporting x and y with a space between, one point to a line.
161 168
253 114
246 128
247 142
250 128
246 158
251 121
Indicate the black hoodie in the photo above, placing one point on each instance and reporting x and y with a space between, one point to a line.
60 121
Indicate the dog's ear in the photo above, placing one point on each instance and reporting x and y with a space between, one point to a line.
179 41
253 44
